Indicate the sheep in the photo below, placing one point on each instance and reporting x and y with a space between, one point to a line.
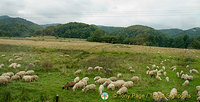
122 90
21 73
158 78
89 87
118 83
153 66
98 68
68 84
184 95
186 77
162 96
19 59
15 77
167 79
135 79
147 72
86 78
173 93
101 89
3 55
76 80
97 78
198 99
156 97
31 65
152 73
128 84
181 72
101 81
78 72
3 80
159 73
111 86
34 78
159 96
113 78
163 67
185 83
10 60
36 61
177 74
27 78
187 66
90 68
165 73
107 82
129 68
132 71
78 85
147 68
30 72
119 75
108 71
198 93
1 66
198 88
194 71
18 65
84 82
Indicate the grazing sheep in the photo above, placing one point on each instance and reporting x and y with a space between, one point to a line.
159 73
147 68
3 55
132 71
167 79
198 88
122 90
101 89
178 74
159 97
78 72
165 73
187 66
36 61
27 78
152 73
107 82
184 95
181 72
147 72
78 85
153 66
101 81
34 78
86 78
119 75
97 78
1 66
118 83
89 87
98 68
76 80
186 77
68 84
198 93
163 67
113 78
8 74
158 77
3 80
31 65
194 71
185 83
135 79
84 82
108 71
15 77
21 73
173 93
128 84
19 59
111 86
156 97
129 68
198 99
30 72
90 68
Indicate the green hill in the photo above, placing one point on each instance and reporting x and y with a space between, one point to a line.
17 27
109 29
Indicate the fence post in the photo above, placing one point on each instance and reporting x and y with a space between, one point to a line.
57 98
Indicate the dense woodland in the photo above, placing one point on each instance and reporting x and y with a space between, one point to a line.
136 34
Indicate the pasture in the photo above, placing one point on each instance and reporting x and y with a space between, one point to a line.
60 58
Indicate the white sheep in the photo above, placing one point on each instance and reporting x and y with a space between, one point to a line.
90 68
19 59
113 78
158 77
3 80
97 78
86 78
78 72
15 77
107 82
76 80
27 78
98 68
34 78
111 86
129 68
10 60
89 87
185 83
1 66
159 73
198 99
184 95
147 72
147 68
181 72
163 67
119 75
156 97
167 79
173 93
165 73
187 66
128 84
198 88
178 74
84 82
135 79
122 90
132 71
78 85
159 96
198 93
101 81
30 72
118 83
101 89
194 71
21 73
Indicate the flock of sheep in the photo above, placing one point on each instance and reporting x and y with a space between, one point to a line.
27 76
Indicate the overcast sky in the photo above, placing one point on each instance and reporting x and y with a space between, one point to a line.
159 14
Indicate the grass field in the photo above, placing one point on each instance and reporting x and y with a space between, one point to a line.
81 55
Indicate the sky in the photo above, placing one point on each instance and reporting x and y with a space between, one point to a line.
159 14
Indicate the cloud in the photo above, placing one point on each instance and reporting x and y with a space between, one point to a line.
155 13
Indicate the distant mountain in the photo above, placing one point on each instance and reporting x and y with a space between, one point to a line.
109 29
47 25
172 33
10 26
